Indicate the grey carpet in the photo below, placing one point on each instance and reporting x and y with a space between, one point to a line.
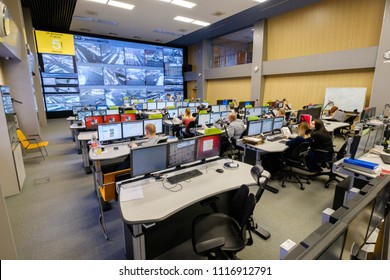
55 217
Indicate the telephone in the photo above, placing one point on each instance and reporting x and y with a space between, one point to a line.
285 132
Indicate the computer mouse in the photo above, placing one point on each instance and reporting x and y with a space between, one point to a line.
219 170
116 148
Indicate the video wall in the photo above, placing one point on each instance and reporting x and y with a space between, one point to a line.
105 71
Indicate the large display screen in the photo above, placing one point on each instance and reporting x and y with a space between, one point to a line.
105 71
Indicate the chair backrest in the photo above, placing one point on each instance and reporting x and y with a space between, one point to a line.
242 205
298 150
162 140
22 138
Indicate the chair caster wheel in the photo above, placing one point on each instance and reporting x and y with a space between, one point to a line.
326 186
283 185
302 188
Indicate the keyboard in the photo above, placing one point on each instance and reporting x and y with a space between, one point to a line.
385 158
184 176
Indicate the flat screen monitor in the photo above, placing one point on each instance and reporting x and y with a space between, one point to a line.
224 101
243 104
192 104
89 108
380 134
112 118
82 114
249 112
181 152
224 108
208 146
214 117
267 125
157 122
370 141
148 159
132 129
109 132
151 106
264 110
204 104
91 122
112 111
173 113
254 128
379 211
141 106
203 119
101 107
363 139
161 105
215 109
99 112
278 123
225 114
76 109
128 117
170 104
257 111
180 104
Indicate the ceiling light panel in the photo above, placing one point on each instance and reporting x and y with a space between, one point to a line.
98 1
184 19
261 1
183 3
201 23
120 5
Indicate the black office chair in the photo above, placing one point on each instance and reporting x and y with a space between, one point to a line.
295 159
221 236
346 132
190 130
162 139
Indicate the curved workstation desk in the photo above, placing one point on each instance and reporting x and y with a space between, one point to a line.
154 210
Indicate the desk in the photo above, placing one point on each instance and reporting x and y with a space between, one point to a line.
332 126
71 120
76 129
163 214
84 138
266 147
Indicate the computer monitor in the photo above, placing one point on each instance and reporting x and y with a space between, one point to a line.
257 111
264 110
170 104
112 118
82 114
181 152
278 123
214 117
380 134
180 104
315 113
151 106
225 114
243 104
99 112
224 108
205 104
112 111
76 109
157 122
215 109
370 141
148 159
249 112
192 104
224 101
203 119
133 129
91 122
109 132
380 208
101 107
254 128
160 105
128 117
89 108
173 113
267 125
208 146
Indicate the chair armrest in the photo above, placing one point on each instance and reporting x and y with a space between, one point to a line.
210 245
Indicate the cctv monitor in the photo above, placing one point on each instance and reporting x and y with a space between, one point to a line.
181 152
278 123
89 108
214 117
179 104
157 122
101 107
82 114
192 104
215 109
91 122
173 113
244 104
76 109
208 146
112 111
203 119
254 128
161 105
112 118
128 117
267 125
148 159
249 112
224 101
133 129
264 110
109 132
224 108
151 106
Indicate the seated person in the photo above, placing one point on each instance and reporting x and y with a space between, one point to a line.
303 135
234 129
187 117
321 140
337 114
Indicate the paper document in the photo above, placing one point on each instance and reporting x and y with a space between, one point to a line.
131 193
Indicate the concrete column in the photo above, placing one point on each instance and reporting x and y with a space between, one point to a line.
257 79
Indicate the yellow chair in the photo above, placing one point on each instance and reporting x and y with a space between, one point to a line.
36 143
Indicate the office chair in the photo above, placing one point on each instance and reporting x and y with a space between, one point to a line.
296 159
346 132
162 140
37 143
221 236
190 130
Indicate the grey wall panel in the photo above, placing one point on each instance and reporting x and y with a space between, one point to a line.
237 71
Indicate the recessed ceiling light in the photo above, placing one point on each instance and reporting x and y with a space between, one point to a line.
201 23
184 19
183 3
260 1
99 1
120 5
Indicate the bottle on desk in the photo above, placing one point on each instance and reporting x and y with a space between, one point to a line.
95 145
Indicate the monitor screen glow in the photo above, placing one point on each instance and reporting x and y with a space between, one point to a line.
203 119
133 129
181 152
151 106
208 146
254 128
110 132
278 123
157 122
148 159
267 125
